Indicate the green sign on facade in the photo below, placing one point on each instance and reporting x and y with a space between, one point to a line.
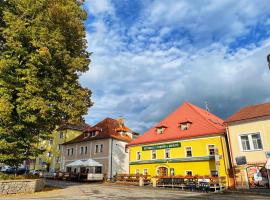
162 146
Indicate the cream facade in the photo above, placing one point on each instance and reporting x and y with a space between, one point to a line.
250 140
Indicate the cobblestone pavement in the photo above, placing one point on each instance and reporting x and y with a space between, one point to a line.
73 191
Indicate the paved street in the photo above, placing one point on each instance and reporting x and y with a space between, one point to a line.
107 191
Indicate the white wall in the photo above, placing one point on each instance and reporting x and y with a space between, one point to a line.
120 163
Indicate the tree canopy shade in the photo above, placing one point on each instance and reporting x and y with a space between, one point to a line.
43 53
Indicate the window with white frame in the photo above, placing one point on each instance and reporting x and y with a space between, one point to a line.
167 153
138 155
211 149
189 173
160 130
101 148
81 151
251 141
188 152
154 154
145 171
184 126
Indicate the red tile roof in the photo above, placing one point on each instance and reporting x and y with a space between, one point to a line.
108 128
202 123
250 112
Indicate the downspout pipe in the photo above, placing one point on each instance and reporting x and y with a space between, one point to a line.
111 158
230 153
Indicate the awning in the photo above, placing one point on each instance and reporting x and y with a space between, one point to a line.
92 163
77 163
267 165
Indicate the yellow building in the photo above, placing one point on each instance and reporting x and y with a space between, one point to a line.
51 158
249 139
190 141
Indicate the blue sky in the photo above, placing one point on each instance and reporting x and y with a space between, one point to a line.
149 56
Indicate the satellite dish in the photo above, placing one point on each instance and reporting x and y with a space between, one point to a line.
268 60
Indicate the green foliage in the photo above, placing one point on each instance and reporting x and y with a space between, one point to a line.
12 176
43 52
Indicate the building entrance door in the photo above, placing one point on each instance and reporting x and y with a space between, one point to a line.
163 171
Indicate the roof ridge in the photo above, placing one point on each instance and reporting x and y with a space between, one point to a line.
193 108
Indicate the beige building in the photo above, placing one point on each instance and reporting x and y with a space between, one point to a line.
249 139
105 143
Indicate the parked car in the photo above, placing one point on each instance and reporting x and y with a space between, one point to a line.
37 172
13 170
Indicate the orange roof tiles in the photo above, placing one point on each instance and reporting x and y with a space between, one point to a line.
202 123
250 112
106 128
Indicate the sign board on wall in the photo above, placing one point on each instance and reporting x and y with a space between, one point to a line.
162 146
241 160
267 154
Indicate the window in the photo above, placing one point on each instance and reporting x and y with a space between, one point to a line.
50 142
245 142
172 171
99 148
189 173
49 154
214 173
81 151
188 152
211 149
145 171
251 141
154 154
160 130
184 126
61 135
167 153
59 147
68 169
137 171
138 155
85 150
72 151
98 170
256 141
68 152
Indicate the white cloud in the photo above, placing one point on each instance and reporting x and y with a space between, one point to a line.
141 77
96 7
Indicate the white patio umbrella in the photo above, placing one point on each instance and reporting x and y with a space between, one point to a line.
77 163
92 163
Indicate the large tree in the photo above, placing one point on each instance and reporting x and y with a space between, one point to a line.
43 53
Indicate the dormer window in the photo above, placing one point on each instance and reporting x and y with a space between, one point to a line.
93 134
160 129
185 125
